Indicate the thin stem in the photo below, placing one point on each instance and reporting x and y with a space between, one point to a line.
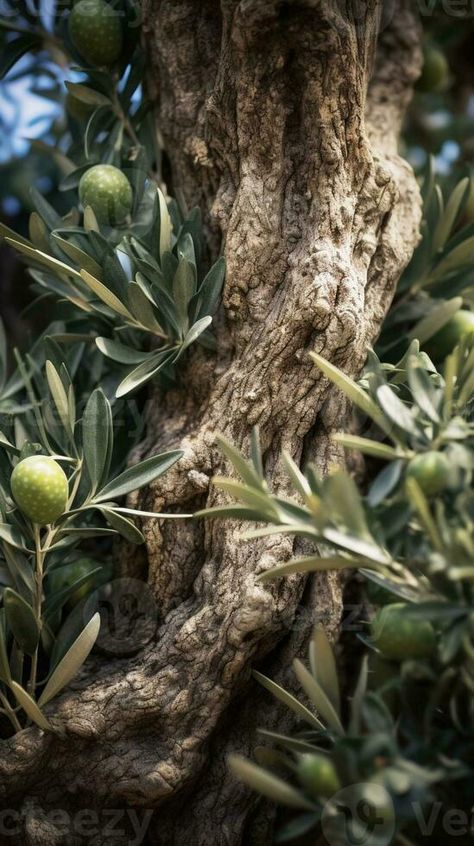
10 712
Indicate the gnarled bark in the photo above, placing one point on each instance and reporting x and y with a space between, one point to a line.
281 121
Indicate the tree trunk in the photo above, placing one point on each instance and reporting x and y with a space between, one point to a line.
281 121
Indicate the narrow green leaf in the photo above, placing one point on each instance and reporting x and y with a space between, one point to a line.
289 700
318 697
140 475
195 331
142 309
448 219
82 259
435 320
145 371
72 661
106 296
30 707
5 674
166 227
309 564
123 525
249 496
21 620
59 396
267 784
353 391
240 464
87 95
323 666
96 432
367 446
119 352
41 258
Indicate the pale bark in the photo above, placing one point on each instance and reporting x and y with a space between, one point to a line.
281 120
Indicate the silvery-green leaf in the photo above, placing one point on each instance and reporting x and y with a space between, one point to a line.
289 700
420 505
123 525
142 309
435 320
318 697
241 465
367 446
96 431
59 395
309 564
119 352
424 393
195 331
345 502
90 220
267 784
448 219
29 706
72 661
395 410
184 284
353 391
41 258
385 482
82 259
358 697
323 666
106 296
249 496
146 371
140 475
87 95
292 743
165 225
457 258
38 232
207 297
11 535
21 620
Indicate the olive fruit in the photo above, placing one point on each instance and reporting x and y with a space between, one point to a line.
108 192
317 775
40 488
435 72
95 29
431 470
448 337
399 636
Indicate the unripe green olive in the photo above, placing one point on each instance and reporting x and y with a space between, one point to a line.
40 489
108 192
399 636
431 470
317 775
435 73
448 337
95 29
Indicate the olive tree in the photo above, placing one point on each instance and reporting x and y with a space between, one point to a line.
281 121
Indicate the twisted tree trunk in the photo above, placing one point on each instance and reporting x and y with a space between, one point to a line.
281 120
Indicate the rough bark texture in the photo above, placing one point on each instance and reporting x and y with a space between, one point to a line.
281 120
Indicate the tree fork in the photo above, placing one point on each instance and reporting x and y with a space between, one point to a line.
281 121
